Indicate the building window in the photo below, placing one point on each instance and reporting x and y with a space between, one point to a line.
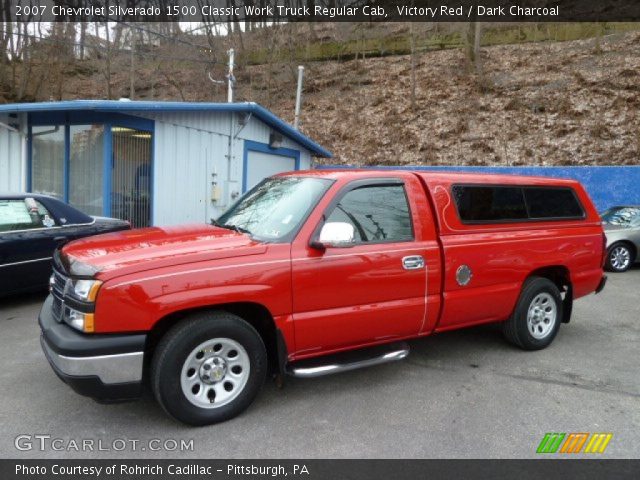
68 162
86 154
48 160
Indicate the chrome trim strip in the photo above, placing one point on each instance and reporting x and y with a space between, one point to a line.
26 261
268 262
311 372
120 368
66 225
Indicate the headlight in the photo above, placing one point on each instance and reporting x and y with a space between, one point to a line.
79 321
85 290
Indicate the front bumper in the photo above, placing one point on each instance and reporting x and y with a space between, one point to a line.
602 284
105 367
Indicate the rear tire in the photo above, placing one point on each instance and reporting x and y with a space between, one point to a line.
208 368
620 257
536 319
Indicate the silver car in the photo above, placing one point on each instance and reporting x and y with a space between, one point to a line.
622 227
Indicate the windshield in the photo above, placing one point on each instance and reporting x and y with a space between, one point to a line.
622 216
273 209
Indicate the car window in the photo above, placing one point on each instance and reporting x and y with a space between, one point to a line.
489 204
275 208
552 203
378 213
24 214
495 204
622 216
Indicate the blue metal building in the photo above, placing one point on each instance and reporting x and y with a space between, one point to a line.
153 163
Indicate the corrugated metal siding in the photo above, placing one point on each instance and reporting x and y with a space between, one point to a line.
188 149
10 159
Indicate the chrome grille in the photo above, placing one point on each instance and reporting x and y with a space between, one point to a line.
57 309
57 290
59 283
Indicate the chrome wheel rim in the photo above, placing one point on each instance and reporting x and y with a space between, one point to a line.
215 373
542 315
620 258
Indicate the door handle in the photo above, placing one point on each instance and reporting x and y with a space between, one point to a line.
413 262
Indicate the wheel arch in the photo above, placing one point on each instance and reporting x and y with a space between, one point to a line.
560 275
256 314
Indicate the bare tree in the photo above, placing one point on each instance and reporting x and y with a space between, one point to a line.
412 41
472 44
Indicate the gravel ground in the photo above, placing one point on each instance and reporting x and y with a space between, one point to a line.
464 394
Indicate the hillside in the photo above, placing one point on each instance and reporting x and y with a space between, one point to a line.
566 103
541 104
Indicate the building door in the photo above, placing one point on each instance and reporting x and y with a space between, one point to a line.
262 161
131 175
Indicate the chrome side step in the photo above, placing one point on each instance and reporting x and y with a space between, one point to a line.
343 362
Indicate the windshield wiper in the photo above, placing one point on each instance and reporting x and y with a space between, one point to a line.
230 226
236 228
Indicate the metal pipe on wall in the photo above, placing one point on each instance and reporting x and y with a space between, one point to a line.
296 120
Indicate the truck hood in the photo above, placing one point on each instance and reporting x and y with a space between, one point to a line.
121 253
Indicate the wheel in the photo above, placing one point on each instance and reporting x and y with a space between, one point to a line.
537 316
208 368
619 257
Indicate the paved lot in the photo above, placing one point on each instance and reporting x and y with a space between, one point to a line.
460 394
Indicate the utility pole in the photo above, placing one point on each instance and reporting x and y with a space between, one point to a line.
296 120
132 88
231 80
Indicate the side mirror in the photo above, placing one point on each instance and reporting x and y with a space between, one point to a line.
336 234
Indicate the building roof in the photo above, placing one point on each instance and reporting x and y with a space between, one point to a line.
255 109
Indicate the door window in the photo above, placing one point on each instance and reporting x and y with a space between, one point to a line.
378 213
24 215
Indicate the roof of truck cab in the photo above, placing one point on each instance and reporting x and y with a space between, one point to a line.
437 177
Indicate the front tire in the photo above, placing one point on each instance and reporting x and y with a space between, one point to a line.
209 368
619 257
536 319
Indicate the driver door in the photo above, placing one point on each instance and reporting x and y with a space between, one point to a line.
370 292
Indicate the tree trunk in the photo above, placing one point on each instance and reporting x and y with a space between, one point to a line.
412 41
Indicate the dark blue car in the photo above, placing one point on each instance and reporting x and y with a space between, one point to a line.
32 226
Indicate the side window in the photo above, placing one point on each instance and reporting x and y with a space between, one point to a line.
378 213
552 203
23 215
495 204
489 204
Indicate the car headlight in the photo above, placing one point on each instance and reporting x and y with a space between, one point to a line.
79 320
85 290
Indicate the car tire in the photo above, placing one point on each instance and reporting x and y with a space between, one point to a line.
208 368
537 316
620 257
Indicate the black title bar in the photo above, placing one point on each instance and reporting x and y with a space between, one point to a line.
321 10
546 469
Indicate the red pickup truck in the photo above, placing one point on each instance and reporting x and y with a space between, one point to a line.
316 272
